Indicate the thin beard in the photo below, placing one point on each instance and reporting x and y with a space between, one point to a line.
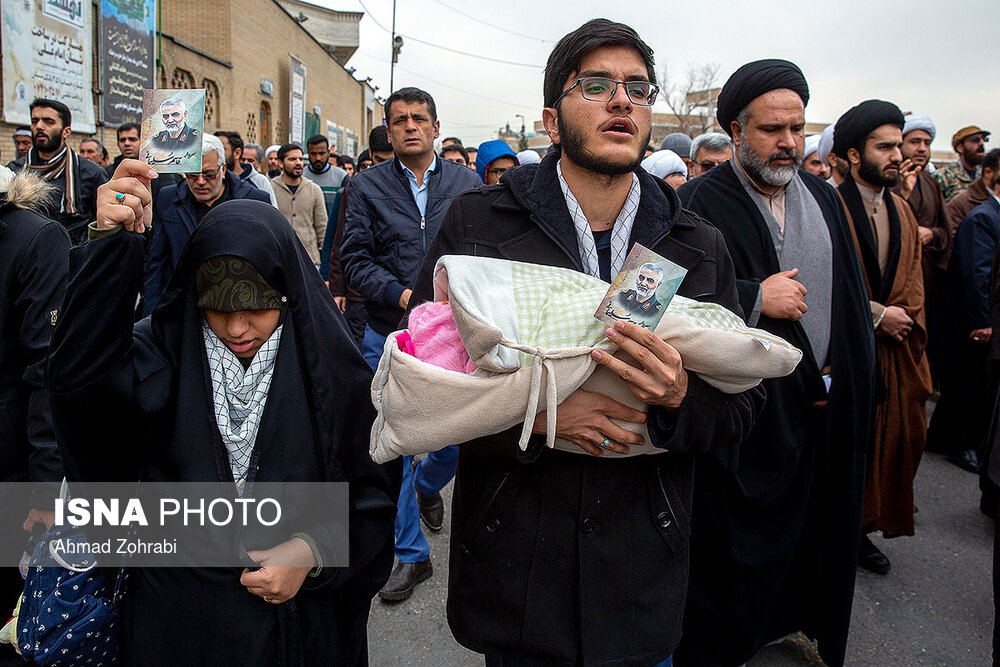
572 145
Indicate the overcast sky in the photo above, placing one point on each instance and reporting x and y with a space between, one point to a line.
935 57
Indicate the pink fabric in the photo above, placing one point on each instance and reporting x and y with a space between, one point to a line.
435 338
405 343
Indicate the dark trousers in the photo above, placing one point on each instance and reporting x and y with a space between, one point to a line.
996 587
357 318
962 414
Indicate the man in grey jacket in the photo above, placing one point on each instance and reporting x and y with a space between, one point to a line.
301 201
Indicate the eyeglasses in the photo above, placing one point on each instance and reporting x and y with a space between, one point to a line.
498 171
207 175
600 89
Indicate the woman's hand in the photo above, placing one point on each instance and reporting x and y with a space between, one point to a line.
282 570
126 199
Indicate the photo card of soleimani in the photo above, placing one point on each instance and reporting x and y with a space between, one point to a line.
642 290
173 123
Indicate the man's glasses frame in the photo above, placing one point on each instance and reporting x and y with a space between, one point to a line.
207 175
640 93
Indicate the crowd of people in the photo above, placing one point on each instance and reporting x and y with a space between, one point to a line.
208 315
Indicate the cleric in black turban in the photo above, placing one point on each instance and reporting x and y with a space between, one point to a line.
753 80
853 128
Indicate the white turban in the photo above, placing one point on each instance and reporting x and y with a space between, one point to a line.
825 144
812 145
915 121
271 149
663 163
528 157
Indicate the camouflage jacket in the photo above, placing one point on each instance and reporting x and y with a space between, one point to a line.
953 179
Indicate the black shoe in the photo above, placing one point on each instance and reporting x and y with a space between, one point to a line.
431 508
871 558
966 460
404 579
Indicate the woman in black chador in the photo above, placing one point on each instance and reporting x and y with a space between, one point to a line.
245 373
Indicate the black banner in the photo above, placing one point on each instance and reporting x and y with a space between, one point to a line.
127 58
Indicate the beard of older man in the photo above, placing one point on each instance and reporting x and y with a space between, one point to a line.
759 168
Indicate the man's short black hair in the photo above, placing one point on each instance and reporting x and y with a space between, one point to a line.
410 96
452 139
378 140
64 114
566 57
234 138
284 150
347 159
456 148
318 139
992 160
125 127
338 160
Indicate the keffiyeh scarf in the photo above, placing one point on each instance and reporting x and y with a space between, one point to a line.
622 229
239 397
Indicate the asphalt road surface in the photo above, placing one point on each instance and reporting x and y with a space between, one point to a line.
934 608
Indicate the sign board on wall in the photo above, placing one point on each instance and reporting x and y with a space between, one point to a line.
128 58
297 100
47 52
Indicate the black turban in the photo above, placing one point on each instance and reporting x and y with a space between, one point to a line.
753 80
854 126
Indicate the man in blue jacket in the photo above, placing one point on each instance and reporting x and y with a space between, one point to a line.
394 210
181 207
958 426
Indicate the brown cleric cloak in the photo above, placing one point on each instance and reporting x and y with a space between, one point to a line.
901 419
927 204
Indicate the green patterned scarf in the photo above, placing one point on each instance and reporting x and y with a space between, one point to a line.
231 284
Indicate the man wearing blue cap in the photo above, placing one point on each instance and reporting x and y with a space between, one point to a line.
493 160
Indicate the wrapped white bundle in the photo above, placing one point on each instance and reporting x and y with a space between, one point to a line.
530 329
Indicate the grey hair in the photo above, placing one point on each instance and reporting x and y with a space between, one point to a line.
653 267
174 101
743 117
712 141
211 144
256 147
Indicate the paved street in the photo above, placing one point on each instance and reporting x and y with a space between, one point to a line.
934 608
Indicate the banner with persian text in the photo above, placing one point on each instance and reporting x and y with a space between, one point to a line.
47 52
296 101
128 58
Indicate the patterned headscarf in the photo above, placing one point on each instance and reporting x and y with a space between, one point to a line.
231 284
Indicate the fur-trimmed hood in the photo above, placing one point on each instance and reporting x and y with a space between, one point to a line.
24 190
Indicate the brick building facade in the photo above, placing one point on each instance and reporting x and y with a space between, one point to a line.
238 50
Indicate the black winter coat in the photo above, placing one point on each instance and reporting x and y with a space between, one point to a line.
777 519
567 557
89 177
34 262
137 402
